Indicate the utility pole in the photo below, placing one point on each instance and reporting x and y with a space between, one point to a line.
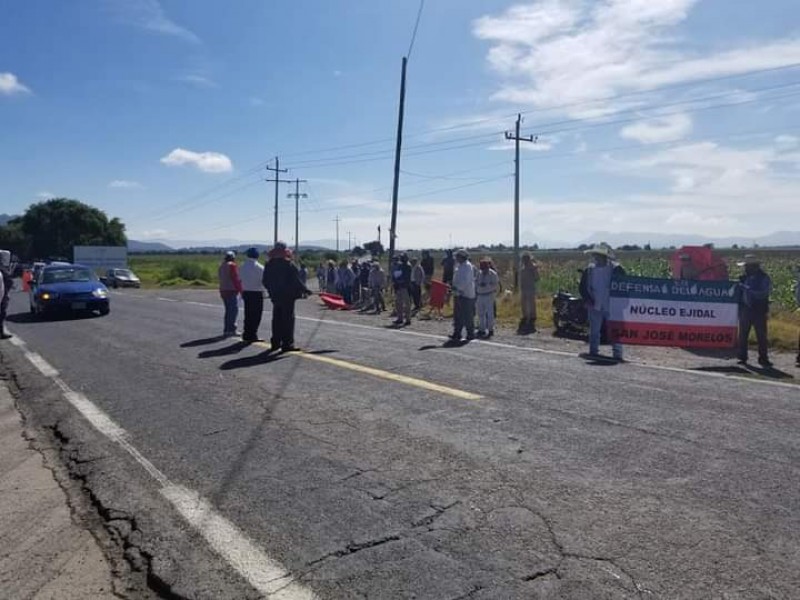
349 243
277 170
297 195
398 148
337 219
379 234
517 139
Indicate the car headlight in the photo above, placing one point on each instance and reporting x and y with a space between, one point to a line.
99 293
48 296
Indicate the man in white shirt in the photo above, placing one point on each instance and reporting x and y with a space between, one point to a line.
486 285
251 275
464 295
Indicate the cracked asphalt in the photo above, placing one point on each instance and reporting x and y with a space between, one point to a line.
563 480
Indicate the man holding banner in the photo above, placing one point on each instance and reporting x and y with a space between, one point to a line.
596 290
754 290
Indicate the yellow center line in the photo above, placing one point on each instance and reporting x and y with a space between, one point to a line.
412 381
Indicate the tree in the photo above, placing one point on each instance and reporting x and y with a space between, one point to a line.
358 251
54 227
375 248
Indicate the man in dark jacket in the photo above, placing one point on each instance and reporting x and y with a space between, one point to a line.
5 289
401 280
754 290
282 281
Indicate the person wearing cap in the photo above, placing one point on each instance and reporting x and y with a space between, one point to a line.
252 273
417 280
528 282
755 287
282 281
487 283
401 282
230 286
6 283
464 295
595 288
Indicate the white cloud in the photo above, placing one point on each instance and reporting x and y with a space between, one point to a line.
558 52
198 81
125 184
209 162
787 142
659 129
10 85
150 15
45 195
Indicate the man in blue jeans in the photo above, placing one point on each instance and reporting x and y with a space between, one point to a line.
596 290
230 286
755 287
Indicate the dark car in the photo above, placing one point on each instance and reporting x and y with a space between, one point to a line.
68 288
122 278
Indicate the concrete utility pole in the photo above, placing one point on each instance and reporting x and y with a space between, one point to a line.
337 219
398 148
349 241
297 195
277 170
517 139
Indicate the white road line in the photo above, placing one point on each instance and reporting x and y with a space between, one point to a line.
264 573
167 299
640 365
44 367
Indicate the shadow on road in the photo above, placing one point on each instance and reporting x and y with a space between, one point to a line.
728 370
26 317
224 351
768 372
262 358
203 342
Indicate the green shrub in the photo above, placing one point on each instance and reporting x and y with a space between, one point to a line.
189 271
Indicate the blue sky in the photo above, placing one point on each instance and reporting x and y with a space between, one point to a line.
671 116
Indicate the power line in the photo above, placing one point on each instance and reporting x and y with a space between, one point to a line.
416 26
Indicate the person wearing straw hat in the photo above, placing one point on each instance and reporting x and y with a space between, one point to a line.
755 287
596 290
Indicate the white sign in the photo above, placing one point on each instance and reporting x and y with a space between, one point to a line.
101 257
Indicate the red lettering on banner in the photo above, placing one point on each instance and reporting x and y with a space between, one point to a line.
660 334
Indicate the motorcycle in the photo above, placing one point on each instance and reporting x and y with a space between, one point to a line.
569 314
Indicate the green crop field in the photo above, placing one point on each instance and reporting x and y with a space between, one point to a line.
558 269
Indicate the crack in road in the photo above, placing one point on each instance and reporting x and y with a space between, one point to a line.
354 547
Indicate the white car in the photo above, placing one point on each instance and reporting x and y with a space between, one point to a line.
117 278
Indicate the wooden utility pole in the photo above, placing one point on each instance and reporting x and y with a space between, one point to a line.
398 148
297 195
277 170
517 139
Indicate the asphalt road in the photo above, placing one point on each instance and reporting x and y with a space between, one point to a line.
380 464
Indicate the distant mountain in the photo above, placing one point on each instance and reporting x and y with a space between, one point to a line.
4 218
135 246
665 240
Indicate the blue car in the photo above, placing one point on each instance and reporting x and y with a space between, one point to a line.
68 288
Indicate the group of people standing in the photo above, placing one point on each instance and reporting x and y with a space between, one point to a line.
283 282
473 291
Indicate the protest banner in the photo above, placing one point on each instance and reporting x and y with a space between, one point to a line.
666 312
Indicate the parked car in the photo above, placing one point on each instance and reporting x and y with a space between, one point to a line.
68 288
122 278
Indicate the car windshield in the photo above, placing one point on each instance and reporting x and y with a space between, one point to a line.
123 273
67 275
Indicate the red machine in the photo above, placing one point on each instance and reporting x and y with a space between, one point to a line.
698 262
